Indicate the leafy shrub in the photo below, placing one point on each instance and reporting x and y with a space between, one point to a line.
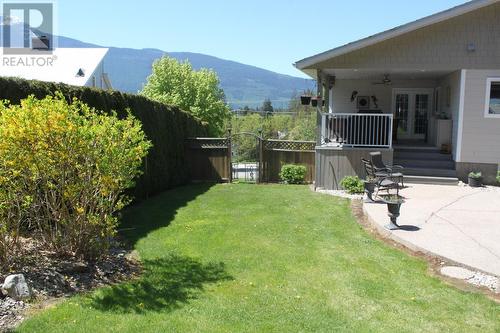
64 168
475 175
166 126
352 184
293 174
498 177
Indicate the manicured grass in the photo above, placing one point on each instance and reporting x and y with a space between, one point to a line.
248 258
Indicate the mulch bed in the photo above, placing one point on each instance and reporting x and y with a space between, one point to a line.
51 277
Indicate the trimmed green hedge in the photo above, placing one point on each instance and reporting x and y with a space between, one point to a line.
166 126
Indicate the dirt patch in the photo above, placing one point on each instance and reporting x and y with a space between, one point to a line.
435 263
53 278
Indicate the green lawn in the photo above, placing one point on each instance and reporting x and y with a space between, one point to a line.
248 258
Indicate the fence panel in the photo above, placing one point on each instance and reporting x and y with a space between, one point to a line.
276 153
209 159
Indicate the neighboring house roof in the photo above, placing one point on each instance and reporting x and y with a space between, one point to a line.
398 31
74 66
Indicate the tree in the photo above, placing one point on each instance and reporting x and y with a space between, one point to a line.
267 106
197 92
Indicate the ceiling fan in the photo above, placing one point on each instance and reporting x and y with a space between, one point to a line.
386 80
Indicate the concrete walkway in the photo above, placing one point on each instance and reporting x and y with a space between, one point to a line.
459 223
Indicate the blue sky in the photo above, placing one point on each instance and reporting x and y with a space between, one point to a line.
268 34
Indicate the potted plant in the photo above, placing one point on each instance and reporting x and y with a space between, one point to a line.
305 99
393 202
314 101
370 184
475 179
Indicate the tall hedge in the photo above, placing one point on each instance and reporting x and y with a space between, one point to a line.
166 126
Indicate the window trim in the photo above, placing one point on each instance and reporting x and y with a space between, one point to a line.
487 113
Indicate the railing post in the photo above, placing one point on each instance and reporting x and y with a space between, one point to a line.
229 156
391 128
260 171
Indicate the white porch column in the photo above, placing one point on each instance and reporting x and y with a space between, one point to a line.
319 94
330 100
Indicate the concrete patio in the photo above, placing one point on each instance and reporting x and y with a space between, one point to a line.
458 223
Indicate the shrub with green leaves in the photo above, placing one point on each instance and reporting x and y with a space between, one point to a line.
166 165
498 177
293 174
64 168
475 175
352 184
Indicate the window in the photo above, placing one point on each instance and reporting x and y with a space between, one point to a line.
492 103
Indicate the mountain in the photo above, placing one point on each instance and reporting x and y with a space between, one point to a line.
242 84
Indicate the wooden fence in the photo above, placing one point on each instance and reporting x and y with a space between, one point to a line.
276 153
210 158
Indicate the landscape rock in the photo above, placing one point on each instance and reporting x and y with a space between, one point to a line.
16 287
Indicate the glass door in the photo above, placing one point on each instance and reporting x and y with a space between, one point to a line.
401 114
411 113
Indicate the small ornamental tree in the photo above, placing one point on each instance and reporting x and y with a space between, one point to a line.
197 92
64 168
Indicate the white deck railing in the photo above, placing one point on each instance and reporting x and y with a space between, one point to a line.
357 130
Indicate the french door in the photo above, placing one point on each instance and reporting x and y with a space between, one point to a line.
411 110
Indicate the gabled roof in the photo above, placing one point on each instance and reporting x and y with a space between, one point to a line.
64 65
398 31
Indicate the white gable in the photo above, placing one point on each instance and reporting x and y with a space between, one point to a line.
61 65
468 7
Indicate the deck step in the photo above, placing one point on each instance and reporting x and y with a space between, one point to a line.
430 172
452 181
425 163
413 155
418 149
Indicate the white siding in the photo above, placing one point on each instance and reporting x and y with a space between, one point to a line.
481 135
439 46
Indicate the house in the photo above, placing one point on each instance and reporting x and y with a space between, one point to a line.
410 92
73 66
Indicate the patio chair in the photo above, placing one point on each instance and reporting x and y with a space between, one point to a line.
382 181
391 171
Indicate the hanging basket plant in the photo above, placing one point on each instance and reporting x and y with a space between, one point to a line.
305 100
314 101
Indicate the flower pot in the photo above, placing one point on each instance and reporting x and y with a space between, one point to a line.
305 100
314 102
369 189
475 182
393 208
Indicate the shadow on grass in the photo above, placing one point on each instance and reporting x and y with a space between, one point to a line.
157 212
167 283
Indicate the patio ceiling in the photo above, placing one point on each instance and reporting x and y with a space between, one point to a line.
395 74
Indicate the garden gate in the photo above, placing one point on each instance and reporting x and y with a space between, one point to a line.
246 157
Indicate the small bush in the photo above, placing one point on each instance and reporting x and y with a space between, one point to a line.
475 175
353 185
293 174
166 165
64 168
498 177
